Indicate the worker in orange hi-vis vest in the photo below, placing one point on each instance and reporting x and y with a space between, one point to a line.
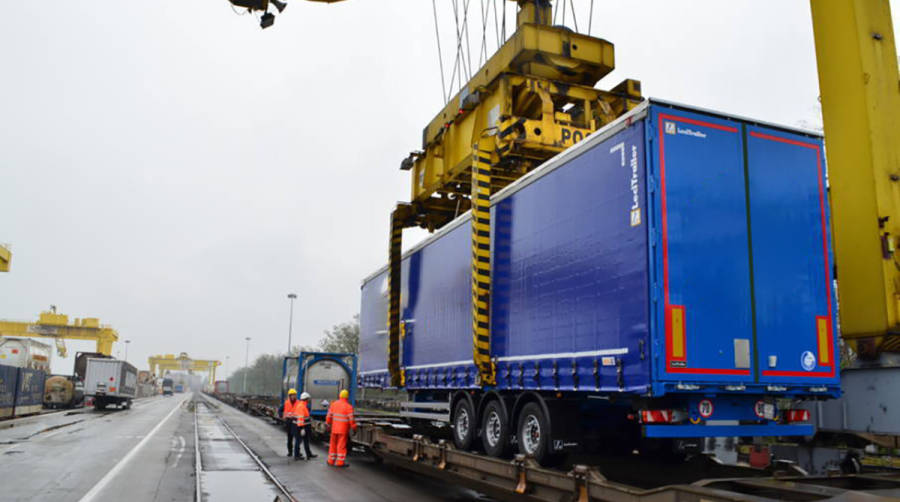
304 424
340 418
290 410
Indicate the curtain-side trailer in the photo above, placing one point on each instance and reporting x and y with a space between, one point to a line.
668 277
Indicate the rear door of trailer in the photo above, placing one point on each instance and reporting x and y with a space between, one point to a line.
742 252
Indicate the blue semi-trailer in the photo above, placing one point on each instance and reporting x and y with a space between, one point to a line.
670 276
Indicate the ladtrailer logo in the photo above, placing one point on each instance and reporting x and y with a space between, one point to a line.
635 190
672 128
634 182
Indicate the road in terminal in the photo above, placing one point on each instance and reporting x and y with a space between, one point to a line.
147 453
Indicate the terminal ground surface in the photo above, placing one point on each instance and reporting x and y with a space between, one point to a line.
147 453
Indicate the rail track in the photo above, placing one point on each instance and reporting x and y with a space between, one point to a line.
222 472
520 479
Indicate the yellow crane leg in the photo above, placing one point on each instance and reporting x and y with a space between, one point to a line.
481 258
399 220
860 93
104 346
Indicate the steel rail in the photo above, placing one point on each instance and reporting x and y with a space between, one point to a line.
259 463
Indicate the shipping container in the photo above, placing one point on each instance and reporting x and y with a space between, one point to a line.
81 363
221 387
669 276
29 391
9 381
25 353
110 381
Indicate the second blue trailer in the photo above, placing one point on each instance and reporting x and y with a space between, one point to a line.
668 277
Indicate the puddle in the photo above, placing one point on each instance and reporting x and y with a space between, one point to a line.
238 486
225 456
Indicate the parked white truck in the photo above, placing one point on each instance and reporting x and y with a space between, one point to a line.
110 382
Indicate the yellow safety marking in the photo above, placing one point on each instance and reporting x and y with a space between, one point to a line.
394 288
677 324
481 264
824 346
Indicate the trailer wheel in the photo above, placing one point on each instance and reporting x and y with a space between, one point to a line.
495 430
464 424
534 433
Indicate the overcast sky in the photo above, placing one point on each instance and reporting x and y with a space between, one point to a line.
175 171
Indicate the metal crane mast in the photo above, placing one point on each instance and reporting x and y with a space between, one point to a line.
182 362
56 326
860 92
532 99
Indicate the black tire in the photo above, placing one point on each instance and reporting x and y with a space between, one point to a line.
533 433
495 430
464 425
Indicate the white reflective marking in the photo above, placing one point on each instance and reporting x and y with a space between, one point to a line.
92 494
566 355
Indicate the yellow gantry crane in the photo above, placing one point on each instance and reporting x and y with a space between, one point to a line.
170 362
56 326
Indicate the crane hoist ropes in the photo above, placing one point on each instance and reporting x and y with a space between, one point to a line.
533 98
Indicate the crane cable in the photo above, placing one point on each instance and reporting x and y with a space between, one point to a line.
590 18
437 36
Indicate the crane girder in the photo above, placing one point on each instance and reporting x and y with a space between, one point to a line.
53 325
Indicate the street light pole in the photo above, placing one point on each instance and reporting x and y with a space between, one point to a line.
246 363
292 297
126 349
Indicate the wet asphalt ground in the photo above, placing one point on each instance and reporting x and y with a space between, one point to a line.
147 453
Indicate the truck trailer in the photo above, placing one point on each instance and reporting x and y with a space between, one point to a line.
668 277
110 382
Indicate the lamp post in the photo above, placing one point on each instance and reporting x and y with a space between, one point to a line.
126 349
246 363
292 297
227 374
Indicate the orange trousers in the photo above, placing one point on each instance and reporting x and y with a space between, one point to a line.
337 449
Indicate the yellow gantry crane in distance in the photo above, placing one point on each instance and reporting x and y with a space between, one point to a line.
532 99
5 257
170 362
56 326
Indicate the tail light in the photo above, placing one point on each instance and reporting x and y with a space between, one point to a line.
662 416
791 416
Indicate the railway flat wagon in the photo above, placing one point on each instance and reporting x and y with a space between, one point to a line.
668 277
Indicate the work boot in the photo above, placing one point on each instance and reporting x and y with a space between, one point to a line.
311 456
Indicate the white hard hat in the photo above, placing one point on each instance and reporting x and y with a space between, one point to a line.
304 395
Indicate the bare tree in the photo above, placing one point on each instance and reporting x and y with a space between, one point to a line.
342 337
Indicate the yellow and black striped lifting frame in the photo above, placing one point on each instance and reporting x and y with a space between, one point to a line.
485 156
533 98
